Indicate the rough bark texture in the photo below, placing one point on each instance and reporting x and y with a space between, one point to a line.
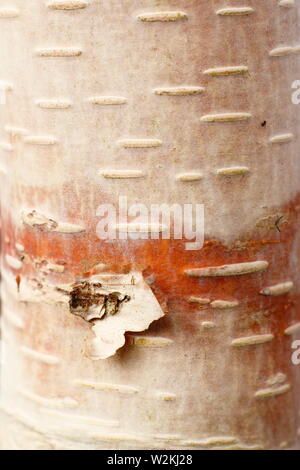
106 88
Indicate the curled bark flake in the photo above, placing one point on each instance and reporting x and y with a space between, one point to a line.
87 301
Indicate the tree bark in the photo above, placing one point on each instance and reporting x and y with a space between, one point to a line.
160 102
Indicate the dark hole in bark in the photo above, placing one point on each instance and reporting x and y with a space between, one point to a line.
87 302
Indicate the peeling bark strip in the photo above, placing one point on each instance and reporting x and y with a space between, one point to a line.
207 311
87 302
111 387
230 70
54 104
226 117
252 340
208 325
287 3
108 100
122 174
149 341
232 11
39 221
189 177
277 379
140 143
40 140
41 357
272 392
59 52
223 304
180 90
68 5
42 223
229 269
212 442
293 329
284 50
281 138
163 16
199 300
278 289
233 171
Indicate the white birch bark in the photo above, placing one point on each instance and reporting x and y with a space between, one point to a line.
162 102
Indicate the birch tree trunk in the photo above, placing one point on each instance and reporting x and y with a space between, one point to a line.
160 102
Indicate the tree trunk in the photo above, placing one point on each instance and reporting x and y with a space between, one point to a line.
160 103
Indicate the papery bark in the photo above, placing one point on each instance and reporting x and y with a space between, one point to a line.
161 102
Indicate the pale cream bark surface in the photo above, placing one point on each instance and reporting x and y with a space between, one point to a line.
193 98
